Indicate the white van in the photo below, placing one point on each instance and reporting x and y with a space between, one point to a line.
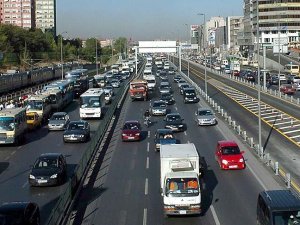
151 81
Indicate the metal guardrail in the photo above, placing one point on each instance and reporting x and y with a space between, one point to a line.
266 159
58 212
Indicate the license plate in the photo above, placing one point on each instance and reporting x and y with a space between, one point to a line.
182 212
73 138
42 181
130 137
2 142
233 166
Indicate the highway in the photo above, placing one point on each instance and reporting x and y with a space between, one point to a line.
16 163
125 190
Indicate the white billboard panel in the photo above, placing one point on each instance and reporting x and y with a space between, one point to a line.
157 46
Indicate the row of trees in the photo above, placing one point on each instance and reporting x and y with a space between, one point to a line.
22 48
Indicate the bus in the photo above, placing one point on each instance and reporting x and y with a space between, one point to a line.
278 207
92 103
40 104
291 69
66 87
13 126
56 99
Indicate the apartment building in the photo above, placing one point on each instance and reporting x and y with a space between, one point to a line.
276 19
233 26
45 14
17 12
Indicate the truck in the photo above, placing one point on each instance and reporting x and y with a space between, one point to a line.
180 171
138 89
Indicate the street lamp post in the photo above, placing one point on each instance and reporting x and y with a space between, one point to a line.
61 54
187 29
96 56
260 149
204 47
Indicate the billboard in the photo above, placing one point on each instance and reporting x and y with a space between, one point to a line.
157 46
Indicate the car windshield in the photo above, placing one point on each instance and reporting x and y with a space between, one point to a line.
286 217
7 124
182 187
57 117
190 92
46 163
165 96
164 86
76 126
159 104
35 105
205 113
90 102
172 118
131 126
168 135
230 150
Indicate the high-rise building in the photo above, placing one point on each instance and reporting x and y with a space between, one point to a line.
45 14
18 12
276 19
233 25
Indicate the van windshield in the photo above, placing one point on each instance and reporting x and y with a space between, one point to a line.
286 217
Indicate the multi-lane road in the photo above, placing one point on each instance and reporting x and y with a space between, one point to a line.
126 190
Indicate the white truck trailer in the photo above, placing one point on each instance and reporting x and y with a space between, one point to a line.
179 179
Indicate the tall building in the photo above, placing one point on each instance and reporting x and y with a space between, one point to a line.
233 25
45 14
276 19
18 12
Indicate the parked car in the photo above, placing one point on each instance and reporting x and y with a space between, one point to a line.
19 213
48 170
77 131
131 131
205 117
174 122
288 89
168 98
229 156
58 121
158 108
163 137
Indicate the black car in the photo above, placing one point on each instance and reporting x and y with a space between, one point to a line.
274 80
190 95
77 131
249 77
183 86
176 78
174 122
19 213
162 73
168 98
48 170
164 137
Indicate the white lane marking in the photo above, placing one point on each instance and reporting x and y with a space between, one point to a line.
13 153
146 186
257 178
185 133
123 216
24 185
132 164
19 147
216 219
147 163
145 217
149 133
128 187
148 147
135 151
7 158
176 108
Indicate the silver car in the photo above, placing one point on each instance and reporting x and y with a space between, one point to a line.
205 117
158 108
58 121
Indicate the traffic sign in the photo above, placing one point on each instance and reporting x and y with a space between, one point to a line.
281 41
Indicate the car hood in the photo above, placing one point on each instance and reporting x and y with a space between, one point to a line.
131 131
158 108
68 132
176 122
205 117
56 122
44 171
167 141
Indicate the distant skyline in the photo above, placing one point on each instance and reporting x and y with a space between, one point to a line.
138 19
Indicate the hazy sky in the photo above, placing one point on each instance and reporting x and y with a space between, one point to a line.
138 19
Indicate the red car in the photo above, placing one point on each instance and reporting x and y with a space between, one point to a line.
229 156
131 131
236 73
288 89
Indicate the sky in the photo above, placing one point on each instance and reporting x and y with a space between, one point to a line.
140 20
